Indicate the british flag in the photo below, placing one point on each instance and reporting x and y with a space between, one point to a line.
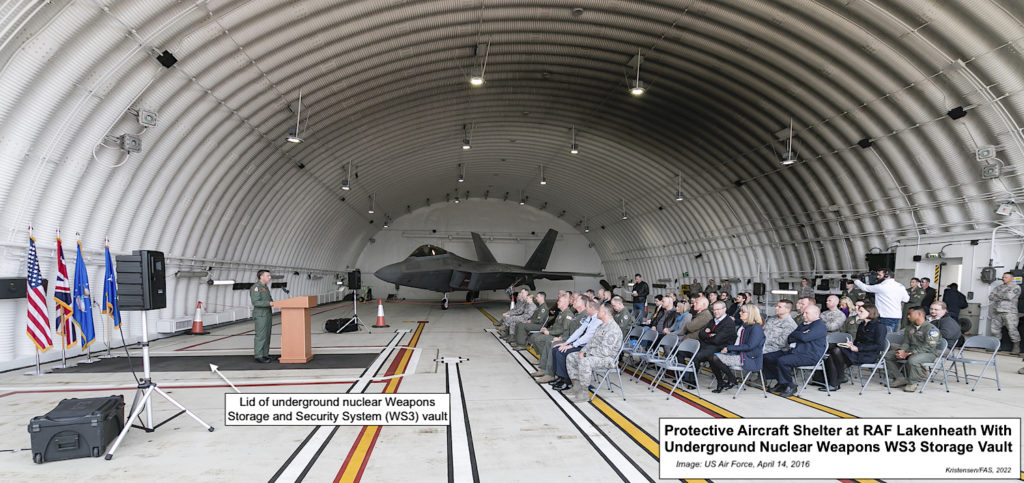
62 296
37 328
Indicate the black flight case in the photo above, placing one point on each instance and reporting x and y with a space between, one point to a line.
76 428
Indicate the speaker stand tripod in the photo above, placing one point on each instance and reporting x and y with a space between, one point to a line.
143 399
355 317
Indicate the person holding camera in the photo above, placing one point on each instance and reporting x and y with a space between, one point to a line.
890 296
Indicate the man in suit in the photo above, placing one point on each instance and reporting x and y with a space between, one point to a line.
718 333
929 293
806 345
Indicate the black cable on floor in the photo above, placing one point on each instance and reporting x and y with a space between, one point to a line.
128 354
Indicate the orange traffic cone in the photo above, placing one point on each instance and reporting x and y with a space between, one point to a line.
197 321
380 314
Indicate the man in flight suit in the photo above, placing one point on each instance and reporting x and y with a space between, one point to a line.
259 293
920 345
535 322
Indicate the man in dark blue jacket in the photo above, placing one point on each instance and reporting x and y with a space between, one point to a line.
806 345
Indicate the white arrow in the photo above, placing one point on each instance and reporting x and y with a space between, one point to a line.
213 368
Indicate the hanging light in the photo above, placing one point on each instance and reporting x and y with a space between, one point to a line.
789 158
387 221
638 88
624 216
543 180
373 200
457 200
574 148
476 73
679 188
462 173
586 226
293 134
522 199
466 144
345 183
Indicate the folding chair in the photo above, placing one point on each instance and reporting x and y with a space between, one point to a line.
680 370
635 339
831 338
983 342
658 352
638 351
745 377
938 364
875 366
616 369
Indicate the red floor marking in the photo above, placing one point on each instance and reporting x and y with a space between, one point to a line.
315 347
413 341
212 386
221 338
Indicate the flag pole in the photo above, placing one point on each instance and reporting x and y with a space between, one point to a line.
88 348
38 371
62 323
109 329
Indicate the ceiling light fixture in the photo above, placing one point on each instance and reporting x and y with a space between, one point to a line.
574 148
624 216
522 199
638 88
462 173
543 180
293 135
387 221
345 183
373 201
586 226
679 188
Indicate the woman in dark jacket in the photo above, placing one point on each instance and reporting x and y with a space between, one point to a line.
746 352
865 349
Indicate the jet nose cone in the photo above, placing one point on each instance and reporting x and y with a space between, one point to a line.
389 273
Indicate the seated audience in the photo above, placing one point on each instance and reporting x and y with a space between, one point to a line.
866 347
599 353
920 345
806 346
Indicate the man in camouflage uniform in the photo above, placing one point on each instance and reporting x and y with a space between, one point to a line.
920 345
621 315
522 311
832 316
259 294
695 288
542 341
1003 310
599 353
778 328
916 294
535 322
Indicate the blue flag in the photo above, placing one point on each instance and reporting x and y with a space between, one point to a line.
82 302
110 291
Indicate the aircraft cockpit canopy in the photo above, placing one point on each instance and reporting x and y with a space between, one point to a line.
428 251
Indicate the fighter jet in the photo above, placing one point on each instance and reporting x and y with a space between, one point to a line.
434 268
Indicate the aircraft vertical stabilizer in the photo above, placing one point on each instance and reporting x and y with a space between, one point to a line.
540 256
483 254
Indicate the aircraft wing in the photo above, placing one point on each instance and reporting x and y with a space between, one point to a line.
557 275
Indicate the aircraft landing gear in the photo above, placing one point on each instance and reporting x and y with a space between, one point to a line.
444 302
472 295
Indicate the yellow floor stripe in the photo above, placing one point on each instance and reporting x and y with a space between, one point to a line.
697 400
627 426
355 464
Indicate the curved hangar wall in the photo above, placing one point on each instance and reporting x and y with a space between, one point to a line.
511 232
867 84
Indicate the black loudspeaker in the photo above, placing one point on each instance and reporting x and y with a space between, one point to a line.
917 258
355 280
141 281
759 289
167 59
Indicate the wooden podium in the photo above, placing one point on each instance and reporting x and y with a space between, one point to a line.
295 342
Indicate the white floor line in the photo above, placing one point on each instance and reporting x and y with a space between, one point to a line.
622 465
294 469
460 450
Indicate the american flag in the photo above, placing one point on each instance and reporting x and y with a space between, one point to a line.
37 328
62 296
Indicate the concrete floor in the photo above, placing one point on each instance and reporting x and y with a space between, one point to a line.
520 431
